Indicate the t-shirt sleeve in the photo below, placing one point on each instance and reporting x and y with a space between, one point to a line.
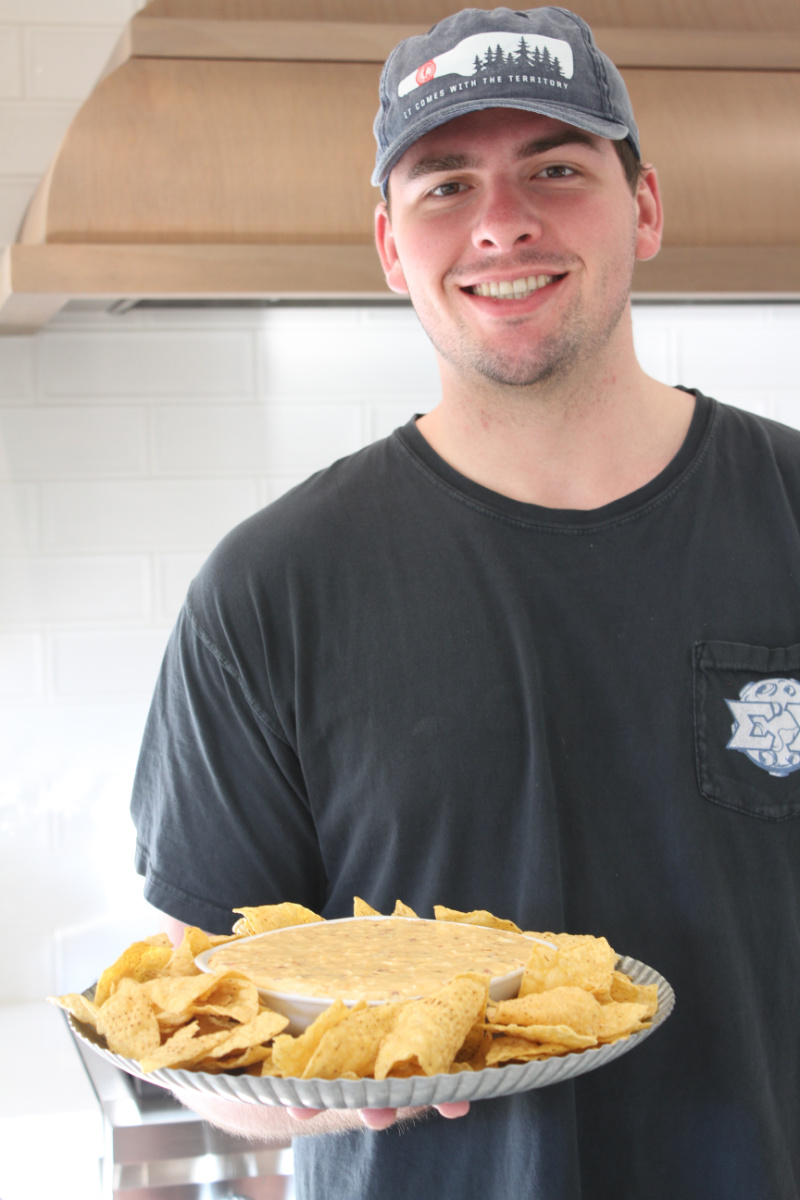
219 802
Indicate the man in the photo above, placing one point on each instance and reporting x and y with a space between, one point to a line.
536 653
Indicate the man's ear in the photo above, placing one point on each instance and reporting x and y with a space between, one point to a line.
651 215
387 251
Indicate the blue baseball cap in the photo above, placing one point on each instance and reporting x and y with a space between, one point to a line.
543 60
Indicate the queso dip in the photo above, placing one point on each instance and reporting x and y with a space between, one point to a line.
388 958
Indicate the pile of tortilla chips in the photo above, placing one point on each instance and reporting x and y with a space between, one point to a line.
154 1005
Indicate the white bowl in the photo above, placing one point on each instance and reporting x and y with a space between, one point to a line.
303 1010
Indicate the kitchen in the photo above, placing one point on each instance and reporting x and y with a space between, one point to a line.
130 441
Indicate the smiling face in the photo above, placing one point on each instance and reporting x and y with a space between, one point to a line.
515 236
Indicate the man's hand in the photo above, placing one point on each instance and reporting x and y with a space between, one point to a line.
382 1118
272 1123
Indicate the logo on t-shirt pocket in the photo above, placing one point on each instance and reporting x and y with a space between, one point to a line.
766 724
747 727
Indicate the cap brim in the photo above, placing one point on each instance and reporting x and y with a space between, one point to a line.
615 131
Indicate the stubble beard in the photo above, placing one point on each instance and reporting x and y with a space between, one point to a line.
544 361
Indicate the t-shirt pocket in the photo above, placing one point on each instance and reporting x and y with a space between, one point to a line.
747 727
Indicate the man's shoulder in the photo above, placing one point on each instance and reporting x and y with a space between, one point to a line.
312 522
759 440
741 422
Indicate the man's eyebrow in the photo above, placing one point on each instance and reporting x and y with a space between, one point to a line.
436 164
441 162
555 140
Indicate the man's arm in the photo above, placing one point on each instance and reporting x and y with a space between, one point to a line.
265 1122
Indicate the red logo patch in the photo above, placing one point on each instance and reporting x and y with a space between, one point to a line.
426 73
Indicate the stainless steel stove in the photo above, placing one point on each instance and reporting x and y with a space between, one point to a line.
155 1149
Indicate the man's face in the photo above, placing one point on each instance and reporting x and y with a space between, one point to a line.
515 236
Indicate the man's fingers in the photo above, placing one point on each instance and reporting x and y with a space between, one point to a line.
456 1108
378 1118
373 1118
382 1118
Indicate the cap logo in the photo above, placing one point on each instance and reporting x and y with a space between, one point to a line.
493 52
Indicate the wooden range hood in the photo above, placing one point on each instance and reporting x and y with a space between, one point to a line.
225 154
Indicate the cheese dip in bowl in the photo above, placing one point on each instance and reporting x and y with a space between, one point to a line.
300 970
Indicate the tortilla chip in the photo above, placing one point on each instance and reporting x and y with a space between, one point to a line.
248 1057
78 1006
176 995
262 1028
362 909
624 990
158 939
275 916
578 960
233 995
571 1006
141 961
184 1049
194 942
351 1047
128 1022
520 1050
291 1055
621 1020
557 1035
473 1040
478 916
478 1060
266 1066
428 1033
402 910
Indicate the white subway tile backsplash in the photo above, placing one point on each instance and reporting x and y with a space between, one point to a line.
174 573
385 418
82 951
213 439
31 949
52 590
48 442
107 664
68 758
370 363
279 485
734 354
786 408
194 366
21 666
157 514
19 514
10 62
653 345
65 63
302 438
30 133
17 378
71 879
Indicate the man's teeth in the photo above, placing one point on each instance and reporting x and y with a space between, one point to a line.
513 289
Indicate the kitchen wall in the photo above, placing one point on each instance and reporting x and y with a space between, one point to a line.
128 445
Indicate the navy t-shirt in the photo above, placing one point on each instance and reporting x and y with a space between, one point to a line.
394 682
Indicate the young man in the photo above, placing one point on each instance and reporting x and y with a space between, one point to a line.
536 653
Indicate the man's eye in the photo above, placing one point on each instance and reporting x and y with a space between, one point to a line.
558 171
447 189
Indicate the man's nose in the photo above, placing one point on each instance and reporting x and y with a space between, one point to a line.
507 220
